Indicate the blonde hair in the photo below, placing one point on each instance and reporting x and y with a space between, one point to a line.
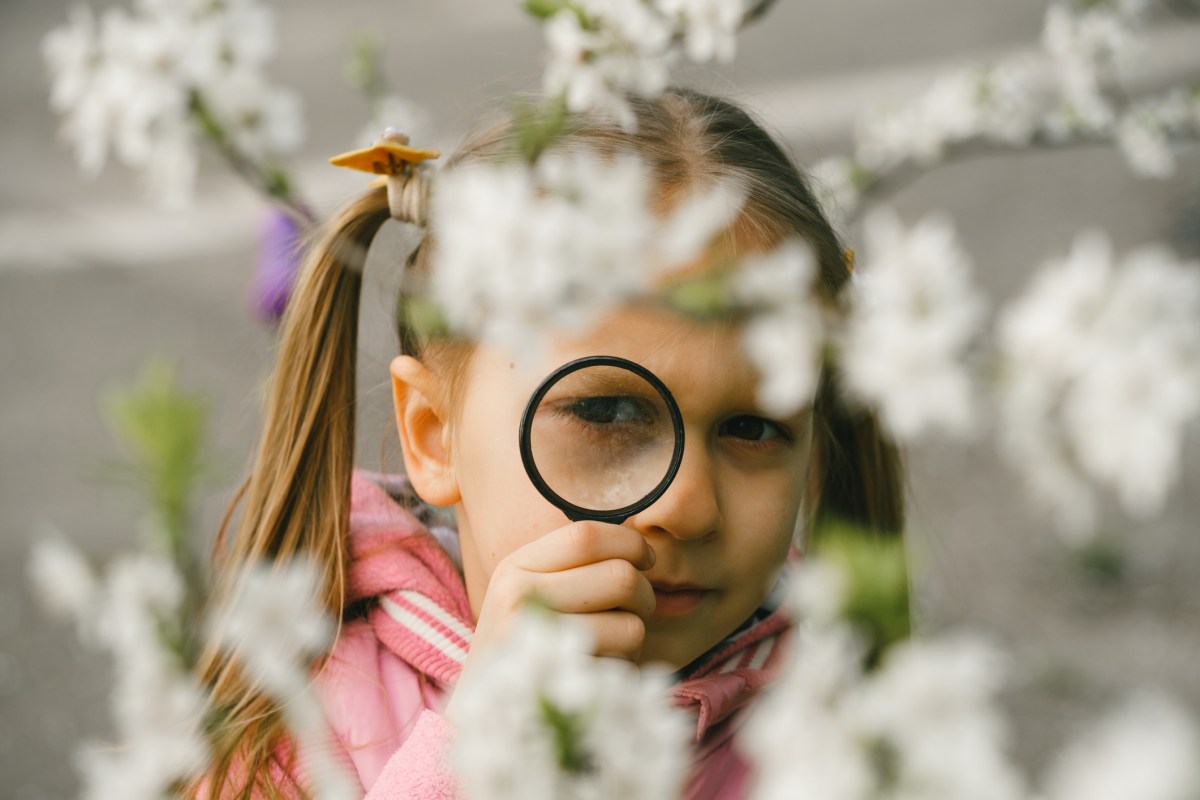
296 498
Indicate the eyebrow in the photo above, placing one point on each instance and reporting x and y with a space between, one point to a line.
605 380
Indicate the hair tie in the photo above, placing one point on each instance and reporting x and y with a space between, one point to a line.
848 259
401 167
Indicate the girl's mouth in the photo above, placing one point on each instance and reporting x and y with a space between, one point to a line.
677 601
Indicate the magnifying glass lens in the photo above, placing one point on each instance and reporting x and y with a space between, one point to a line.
602 438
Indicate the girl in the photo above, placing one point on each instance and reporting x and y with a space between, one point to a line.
687 581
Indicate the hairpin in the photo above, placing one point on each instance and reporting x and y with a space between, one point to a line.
392 158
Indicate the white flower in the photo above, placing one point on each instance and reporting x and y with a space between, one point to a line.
522 253
542 718
1143 134
140 591
933 705
1004 102
924 725
818 593
1101 367
62 578
158 710
889 136
275 623
797 736
709 27
260 119
69 52
129 86
784 335
1147 750
691 227
1012 101
1089 49
625 48
913 314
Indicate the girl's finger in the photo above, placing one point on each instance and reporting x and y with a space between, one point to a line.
603 586
616 633
580 543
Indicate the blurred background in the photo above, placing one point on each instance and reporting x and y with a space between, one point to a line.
94 280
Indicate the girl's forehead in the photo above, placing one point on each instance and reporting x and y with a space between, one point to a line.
689 355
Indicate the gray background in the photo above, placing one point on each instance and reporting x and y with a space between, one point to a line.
93 280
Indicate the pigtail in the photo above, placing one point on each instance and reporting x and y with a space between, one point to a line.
296 501
857 468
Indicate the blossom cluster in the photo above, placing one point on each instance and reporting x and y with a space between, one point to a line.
568 726
1072 90
136 611
524 250
599 50
146 84
913 314
785 335
1100 366
924 723
158 709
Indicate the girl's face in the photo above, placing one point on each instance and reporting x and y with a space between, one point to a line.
721 531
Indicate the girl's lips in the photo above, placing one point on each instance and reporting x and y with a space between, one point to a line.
675 602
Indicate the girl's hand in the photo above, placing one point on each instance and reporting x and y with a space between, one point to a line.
593 570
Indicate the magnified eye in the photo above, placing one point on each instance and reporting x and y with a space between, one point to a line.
608 410
753 429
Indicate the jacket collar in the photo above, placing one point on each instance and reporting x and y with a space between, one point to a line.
424 617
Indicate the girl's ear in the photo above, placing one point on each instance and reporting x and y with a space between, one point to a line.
423 421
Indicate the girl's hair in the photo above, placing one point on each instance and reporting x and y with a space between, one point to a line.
296 499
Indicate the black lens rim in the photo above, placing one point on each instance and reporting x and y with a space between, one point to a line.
576 513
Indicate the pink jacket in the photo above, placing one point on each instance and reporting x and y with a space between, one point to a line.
387 680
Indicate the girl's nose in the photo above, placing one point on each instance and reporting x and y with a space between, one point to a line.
690 508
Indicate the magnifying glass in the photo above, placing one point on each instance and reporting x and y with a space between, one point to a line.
601 438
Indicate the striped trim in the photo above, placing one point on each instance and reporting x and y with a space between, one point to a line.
426 604
407 618
762 653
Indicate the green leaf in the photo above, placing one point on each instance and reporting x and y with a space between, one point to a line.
537 129
705 296
544 9
161 427
568 733
423 316
877 586
364 67
1104 560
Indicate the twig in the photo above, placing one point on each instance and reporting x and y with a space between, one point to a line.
757 11
272 184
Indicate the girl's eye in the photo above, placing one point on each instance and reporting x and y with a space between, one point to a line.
752 429
608 410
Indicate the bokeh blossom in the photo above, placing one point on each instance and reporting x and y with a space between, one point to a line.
601 50
1148 749
146 85
784 335
524 251
1100 376
925 724
570 726
914 312
158 709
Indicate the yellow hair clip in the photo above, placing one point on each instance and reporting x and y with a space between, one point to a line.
848 259
391 155
395 162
